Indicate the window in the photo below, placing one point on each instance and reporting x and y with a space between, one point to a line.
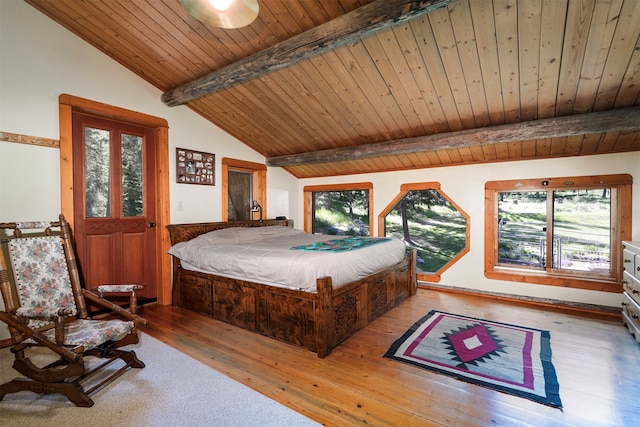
99 185
344 209
426 219
242 183
560 231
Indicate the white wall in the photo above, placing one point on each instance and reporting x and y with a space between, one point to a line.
465 186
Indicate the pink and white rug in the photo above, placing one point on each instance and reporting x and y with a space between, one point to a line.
508 358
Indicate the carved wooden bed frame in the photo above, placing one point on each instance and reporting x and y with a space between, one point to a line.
317 321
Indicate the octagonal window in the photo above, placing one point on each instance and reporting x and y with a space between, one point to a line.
429 221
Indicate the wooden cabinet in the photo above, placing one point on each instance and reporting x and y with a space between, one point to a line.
196 294
235 304
286 316
403 284
380 295
348 314
631 286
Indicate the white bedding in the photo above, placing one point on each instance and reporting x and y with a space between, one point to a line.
263 254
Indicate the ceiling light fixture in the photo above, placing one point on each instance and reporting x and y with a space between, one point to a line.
220 5
227 14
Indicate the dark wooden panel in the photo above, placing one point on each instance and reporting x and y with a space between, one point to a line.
97 268
196 294
235 304
287 318
379 295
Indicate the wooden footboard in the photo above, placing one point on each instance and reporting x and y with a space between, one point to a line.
317 321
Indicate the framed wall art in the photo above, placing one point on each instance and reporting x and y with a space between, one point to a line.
195 167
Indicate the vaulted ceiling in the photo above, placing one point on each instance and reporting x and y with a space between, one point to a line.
333 87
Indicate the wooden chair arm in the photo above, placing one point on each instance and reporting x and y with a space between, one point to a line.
15 322
24 314
129 315
42 314
108 288
127 288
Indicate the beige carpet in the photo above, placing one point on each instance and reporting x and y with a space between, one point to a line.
172 390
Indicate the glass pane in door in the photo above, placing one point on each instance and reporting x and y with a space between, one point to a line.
97 173
132 176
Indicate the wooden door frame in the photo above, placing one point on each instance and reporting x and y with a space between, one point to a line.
69 104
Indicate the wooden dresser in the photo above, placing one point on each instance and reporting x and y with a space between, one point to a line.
631 285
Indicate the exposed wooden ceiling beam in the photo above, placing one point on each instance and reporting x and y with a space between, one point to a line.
355 25
580 124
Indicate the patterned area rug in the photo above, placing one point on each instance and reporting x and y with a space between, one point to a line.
508 358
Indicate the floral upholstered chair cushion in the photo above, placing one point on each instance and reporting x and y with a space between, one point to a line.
44 292
92 333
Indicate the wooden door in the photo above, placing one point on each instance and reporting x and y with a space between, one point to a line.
114 203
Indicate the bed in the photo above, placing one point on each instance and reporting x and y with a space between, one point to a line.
234 272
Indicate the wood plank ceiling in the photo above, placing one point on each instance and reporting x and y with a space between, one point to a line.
444 81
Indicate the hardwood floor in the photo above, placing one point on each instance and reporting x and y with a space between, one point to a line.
596 359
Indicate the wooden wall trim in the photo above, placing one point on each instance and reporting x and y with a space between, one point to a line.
243 164
163 216
27 139
339 187
535 301
100 109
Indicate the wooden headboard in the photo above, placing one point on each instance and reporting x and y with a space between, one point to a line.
184 232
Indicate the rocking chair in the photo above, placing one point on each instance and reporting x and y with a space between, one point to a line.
45 307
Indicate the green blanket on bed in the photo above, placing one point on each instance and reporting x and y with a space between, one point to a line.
341 245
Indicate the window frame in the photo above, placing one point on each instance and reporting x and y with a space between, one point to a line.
621 211
404 189
258 172
308 200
